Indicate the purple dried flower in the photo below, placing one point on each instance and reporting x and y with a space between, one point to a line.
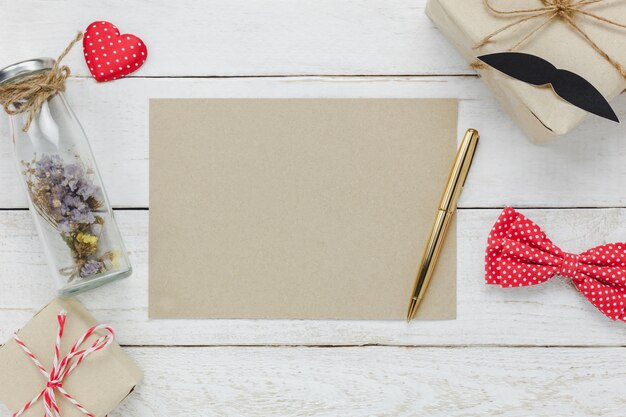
84 217
87 190
71 201
49 166
73 171
65 226
91 268
96 229
72 176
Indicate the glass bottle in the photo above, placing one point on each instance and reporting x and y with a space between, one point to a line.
74 219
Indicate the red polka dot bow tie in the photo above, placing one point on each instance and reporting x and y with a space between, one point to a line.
520 254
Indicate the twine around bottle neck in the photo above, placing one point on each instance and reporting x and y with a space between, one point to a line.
29 93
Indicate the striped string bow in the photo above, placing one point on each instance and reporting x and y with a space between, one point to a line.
62 367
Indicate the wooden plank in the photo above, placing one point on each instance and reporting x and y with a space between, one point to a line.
584 169
550 314
374 381
324 37
243 37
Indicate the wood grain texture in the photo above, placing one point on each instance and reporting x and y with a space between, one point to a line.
244 37
377 381
550 314
329 48
584 169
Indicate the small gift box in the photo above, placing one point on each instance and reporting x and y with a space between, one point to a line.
584 37
63 364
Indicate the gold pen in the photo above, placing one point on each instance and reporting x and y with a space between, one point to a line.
447 207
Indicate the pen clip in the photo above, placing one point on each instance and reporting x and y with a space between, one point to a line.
471 156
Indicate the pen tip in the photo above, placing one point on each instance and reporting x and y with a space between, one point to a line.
411 313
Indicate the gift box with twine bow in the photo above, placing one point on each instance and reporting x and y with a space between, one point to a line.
587 37
63 364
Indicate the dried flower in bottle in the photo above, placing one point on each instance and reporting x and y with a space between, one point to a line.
67 198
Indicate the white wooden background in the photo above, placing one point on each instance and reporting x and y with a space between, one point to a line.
539 351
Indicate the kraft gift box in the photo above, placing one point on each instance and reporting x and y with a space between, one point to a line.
538 110
99 383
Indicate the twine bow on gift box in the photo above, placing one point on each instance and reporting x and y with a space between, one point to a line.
62 367
566 10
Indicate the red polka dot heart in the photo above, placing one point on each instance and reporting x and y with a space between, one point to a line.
111 55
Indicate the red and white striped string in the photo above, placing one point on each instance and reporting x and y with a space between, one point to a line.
62 367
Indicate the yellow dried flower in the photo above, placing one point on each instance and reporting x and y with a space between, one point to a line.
86 238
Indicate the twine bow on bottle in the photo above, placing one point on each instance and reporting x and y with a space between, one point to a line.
566 10
30 92
62 367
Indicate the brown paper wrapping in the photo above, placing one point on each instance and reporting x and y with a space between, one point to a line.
100 382
538 110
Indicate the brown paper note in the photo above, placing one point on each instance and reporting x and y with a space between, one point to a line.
297 208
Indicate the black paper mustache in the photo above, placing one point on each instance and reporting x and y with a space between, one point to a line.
569 86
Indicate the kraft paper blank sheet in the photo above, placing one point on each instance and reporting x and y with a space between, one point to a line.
297 208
